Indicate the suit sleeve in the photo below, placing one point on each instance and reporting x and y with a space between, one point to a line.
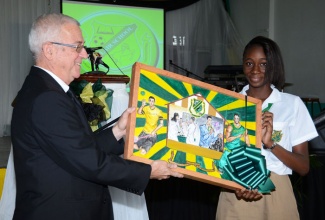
106 136
64 135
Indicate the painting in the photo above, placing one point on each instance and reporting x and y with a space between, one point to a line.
202 128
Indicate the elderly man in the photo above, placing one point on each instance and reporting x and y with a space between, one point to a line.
62 167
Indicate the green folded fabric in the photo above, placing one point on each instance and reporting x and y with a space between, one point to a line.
247 167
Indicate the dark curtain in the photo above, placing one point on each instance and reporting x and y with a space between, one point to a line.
177 199
310 191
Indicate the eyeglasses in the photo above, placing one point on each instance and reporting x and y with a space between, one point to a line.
78 47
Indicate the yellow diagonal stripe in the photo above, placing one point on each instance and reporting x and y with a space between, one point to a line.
191 158
208 165
211 95
234 105
188 87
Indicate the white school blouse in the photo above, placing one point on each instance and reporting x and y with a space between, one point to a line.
292 125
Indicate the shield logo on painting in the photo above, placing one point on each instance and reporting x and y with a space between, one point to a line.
197 107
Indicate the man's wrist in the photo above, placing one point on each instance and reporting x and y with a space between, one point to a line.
118 133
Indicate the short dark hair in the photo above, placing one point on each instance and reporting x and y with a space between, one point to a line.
151 97
274 73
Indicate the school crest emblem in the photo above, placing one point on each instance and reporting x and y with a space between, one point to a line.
197 107
277 136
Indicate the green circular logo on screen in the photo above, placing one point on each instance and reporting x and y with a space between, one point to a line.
126 38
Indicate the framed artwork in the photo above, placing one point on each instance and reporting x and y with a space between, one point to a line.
202 128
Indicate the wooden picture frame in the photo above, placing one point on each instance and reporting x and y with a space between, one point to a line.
176 96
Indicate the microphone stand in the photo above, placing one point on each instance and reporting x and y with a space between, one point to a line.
188 73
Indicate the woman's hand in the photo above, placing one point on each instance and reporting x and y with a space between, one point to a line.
248 195
267 128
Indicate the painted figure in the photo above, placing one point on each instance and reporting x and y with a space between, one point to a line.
148 136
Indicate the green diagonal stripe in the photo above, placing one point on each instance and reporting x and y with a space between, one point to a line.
159 154
161 137
200 161
251 113
180 157
177 85
221 100
154 88
203 92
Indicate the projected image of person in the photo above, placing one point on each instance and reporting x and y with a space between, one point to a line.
124 54
154 121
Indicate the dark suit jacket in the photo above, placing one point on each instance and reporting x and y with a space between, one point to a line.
62 167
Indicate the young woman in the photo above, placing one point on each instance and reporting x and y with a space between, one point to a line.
286 129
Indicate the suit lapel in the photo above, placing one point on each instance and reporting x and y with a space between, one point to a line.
50 83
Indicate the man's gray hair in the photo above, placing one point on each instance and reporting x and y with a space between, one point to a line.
46 28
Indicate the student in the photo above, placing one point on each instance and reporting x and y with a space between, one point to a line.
286 129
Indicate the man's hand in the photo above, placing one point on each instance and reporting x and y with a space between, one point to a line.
163 170
119 129
248 195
